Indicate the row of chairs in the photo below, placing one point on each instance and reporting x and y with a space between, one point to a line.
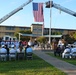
15 56
70 55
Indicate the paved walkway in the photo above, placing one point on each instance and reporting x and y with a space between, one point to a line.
62 65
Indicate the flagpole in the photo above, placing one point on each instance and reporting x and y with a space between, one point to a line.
19 36
50 23
43 29
43 24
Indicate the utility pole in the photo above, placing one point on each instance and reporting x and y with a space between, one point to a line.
19 36
50 22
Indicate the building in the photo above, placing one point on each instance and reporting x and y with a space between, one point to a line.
10 30
35 28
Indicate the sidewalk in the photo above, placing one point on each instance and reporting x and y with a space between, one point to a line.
62 65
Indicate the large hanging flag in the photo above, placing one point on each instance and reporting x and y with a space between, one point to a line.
38 12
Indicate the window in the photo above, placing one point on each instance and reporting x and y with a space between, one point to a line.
10 28
9 33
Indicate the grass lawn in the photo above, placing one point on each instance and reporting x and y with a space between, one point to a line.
36 66
72 60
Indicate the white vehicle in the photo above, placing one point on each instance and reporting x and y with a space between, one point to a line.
9 38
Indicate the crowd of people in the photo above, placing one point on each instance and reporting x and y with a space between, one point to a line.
64 51
9 49
14 47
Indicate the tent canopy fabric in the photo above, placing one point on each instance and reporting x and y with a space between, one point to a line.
28 35
53 36
33 35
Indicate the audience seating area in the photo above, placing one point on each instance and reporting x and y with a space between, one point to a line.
15 56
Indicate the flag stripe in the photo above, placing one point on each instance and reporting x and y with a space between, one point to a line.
38 12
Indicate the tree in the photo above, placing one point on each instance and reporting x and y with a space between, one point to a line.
41 39
56 33
69 39
74 35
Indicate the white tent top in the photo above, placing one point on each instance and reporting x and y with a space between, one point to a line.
33 35
53 36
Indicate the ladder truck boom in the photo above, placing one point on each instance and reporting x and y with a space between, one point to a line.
14 11
57 6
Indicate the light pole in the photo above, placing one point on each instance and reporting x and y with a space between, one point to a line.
50 21
19 36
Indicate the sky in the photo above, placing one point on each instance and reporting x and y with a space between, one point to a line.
25 17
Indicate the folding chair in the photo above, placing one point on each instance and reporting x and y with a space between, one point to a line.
67 55
3 56
29 55
73 55
20 56
12 56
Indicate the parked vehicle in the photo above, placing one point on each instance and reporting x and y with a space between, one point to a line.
9 38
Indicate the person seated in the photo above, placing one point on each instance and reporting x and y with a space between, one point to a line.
12 53
12 50
20 53
73 52
3 53
6 47
66 52
29 52
57 51
20 49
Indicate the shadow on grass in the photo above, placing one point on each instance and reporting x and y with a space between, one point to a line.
37 66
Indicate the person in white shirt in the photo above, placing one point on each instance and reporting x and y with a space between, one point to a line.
20 49
3 52
30 43
28 52
12 50
35 44
73 52
67 49
20 53
12 53
29 49
2 42
16 44
60 42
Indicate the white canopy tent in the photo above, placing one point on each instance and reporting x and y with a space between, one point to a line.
33 35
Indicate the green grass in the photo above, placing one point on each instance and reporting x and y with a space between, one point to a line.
36 66
72 60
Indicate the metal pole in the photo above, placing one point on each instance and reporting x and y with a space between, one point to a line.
42 29
19 37
50 23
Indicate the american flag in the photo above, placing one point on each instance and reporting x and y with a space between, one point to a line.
38 12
